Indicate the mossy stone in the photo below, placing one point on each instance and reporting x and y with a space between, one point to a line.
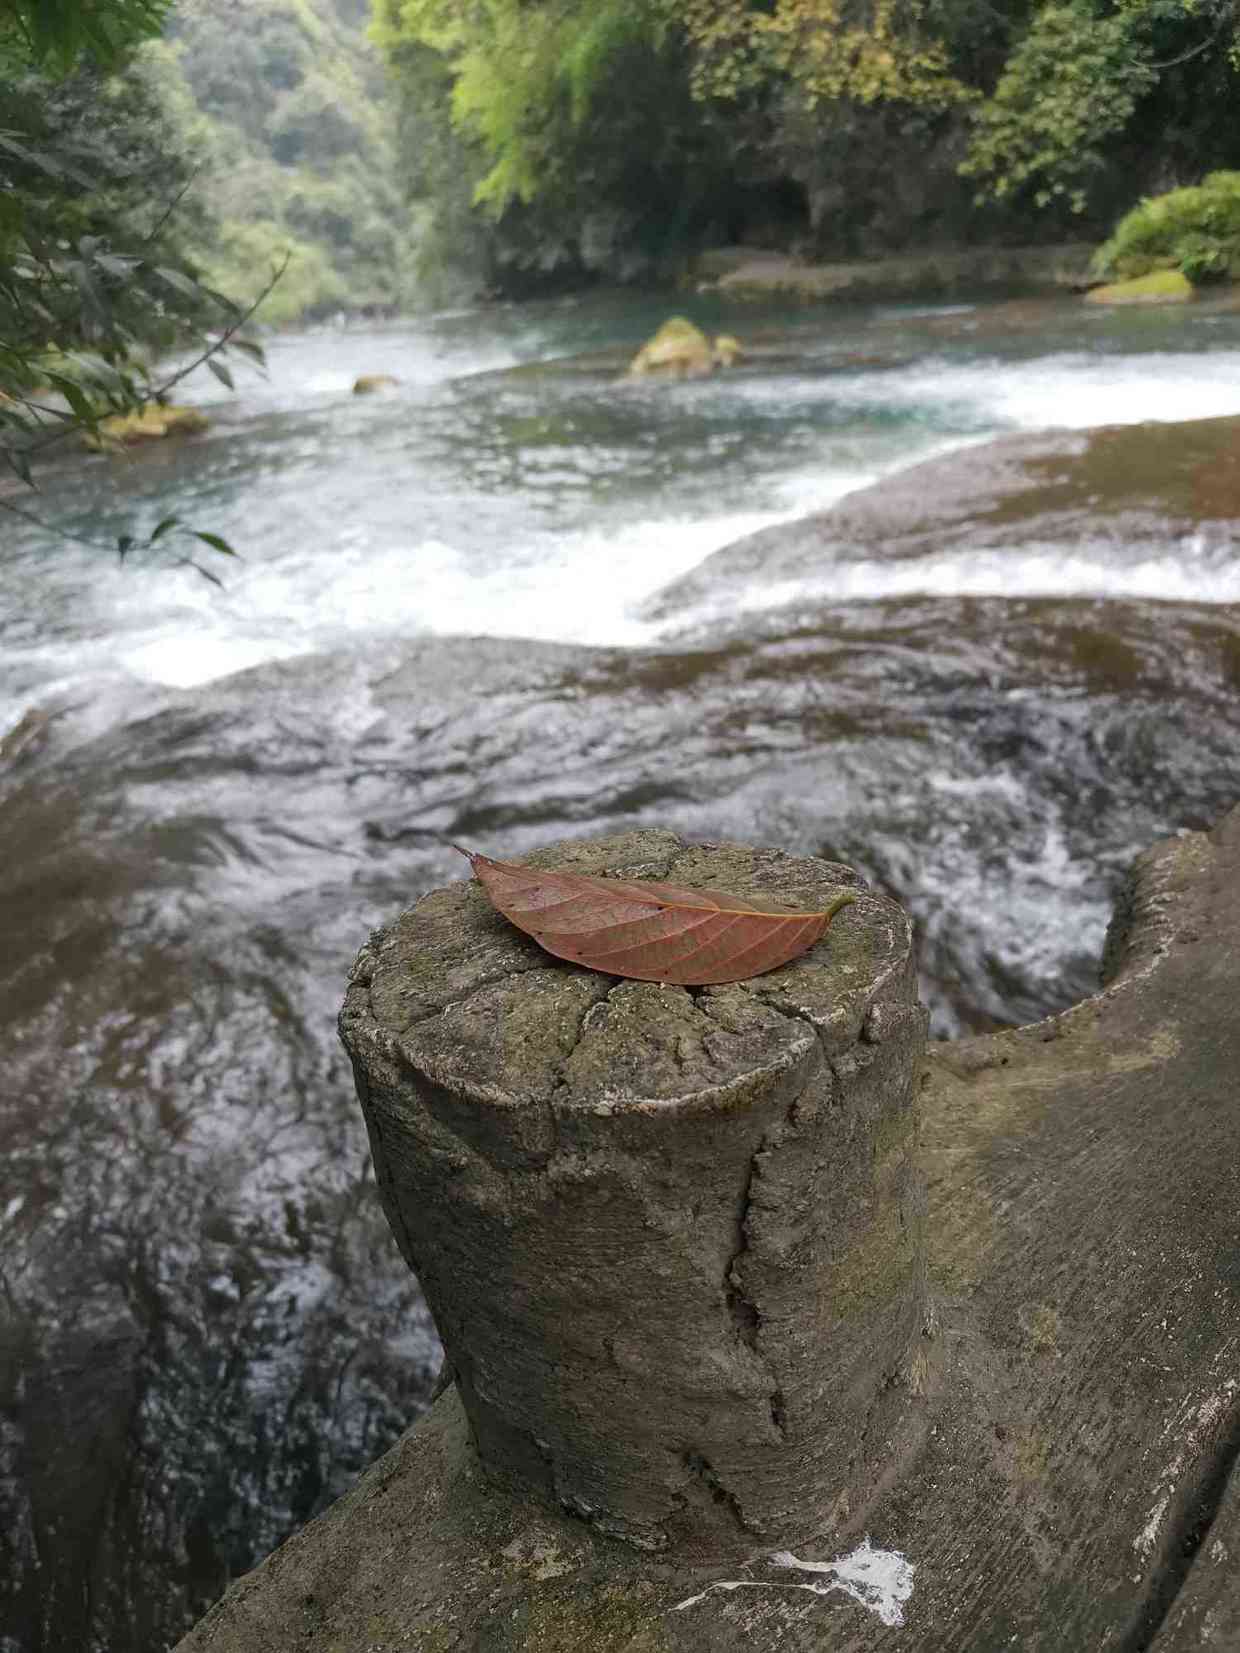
149 424
678 349
1159 287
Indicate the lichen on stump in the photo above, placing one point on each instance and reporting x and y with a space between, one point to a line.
672 1237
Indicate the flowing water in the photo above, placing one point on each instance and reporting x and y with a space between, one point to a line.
483 606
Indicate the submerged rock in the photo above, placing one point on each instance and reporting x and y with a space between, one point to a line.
1159 287
1148 488
367 384
150 424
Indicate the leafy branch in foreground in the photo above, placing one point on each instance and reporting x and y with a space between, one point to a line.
95 390
56 33
96 283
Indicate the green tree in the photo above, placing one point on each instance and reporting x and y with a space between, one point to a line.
296 143
891 117
1083 75
56 34
574 125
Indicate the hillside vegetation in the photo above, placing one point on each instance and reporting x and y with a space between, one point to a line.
282 104
556 138
406 152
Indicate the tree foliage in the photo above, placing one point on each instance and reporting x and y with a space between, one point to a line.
576 132
1061 105
1072 84
1195 230
285 105
822 50
95 273
55 34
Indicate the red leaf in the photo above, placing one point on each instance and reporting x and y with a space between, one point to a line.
652 932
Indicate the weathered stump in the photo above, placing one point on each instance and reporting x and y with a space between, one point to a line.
672 1238
1045 1458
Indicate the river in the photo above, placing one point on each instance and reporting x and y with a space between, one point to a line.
484 606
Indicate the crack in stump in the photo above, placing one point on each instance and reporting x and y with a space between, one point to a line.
744 1313
742 1310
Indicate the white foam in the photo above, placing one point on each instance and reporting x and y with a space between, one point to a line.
580 588
1072 389
328 566
1180 574
183 662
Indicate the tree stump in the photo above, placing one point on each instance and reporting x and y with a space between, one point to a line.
716 1385
672 1238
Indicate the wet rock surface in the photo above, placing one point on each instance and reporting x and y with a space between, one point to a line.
1130 490
208 1332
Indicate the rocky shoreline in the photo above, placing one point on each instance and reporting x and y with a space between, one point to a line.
748 273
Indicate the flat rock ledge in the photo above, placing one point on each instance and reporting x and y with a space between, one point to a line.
1062 1473
749 273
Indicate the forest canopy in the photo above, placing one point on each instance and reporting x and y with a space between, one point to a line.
514 145
608 133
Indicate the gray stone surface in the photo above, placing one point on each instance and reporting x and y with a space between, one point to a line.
1067 1479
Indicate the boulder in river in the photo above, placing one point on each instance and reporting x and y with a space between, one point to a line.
149 424
1159 287
26 737
727 350
681 350
368 384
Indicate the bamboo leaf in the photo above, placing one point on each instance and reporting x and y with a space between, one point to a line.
215 542
162 528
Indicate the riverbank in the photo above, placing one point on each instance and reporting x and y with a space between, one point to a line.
745 272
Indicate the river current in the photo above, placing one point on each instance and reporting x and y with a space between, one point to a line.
486 606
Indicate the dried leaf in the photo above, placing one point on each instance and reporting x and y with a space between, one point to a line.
651 932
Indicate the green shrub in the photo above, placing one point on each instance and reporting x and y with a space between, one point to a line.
1196 230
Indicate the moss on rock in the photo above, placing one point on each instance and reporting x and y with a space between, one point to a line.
678 349
1159 287
149 424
